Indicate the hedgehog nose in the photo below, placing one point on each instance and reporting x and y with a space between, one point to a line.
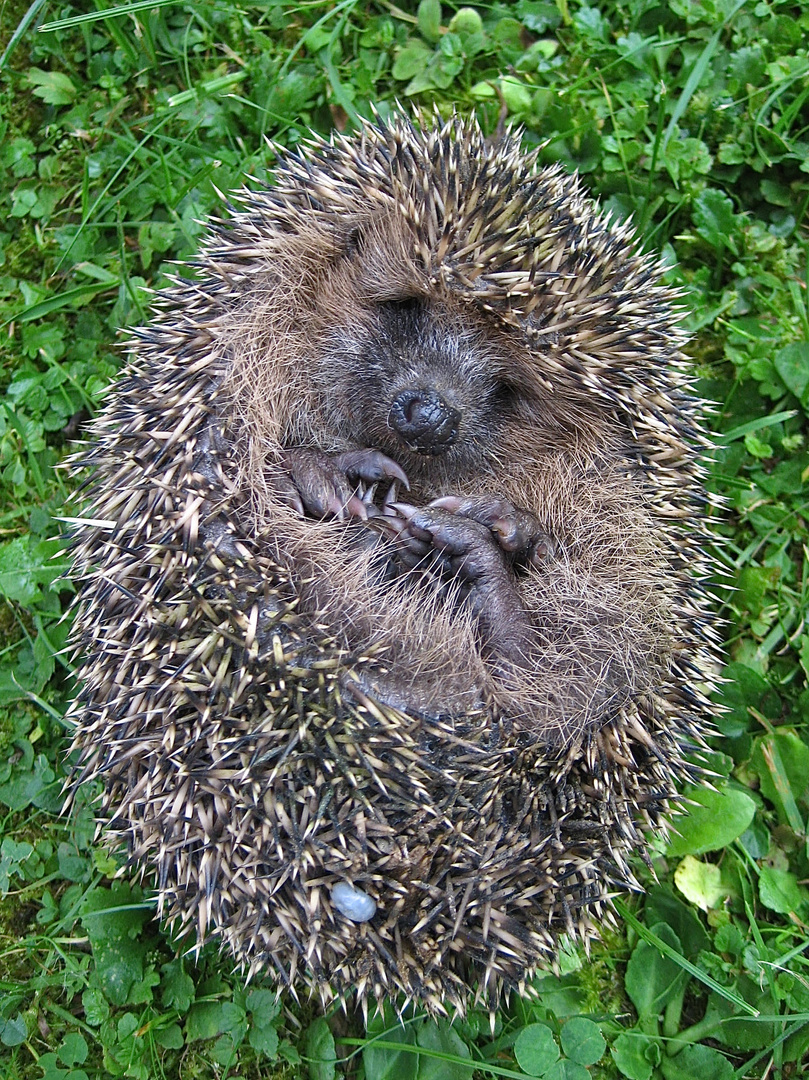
424 421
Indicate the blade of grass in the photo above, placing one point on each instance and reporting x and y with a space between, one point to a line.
121 168
697 75
64 299
421 1051
107 13
755 425
21 31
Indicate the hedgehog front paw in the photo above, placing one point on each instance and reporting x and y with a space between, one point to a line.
316 484
517 532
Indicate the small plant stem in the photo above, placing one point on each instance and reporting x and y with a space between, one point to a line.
696 1033
661 112
674 1011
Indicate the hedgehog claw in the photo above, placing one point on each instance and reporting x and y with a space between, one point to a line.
371 465
357 508
452 503
404 510
542 550
388 525
342 486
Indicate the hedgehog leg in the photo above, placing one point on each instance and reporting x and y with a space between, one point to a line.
322 485
517 531
466 552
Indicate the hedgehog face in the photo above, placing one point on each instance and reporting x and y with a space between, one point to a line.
418 384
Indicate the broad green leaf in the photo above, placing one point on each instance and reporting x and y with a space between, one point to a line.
781 760
755 583
729 939
697 1062
633 1054
37 786
12 857
663 906
24 567
535 1049
561 995
651 978
411 61
538 15
740 1032
429 20
73 1050
95 1005
205 1021
567 1070
382 1062
441 1036
177 986
792 364
466 21
320 1050
13 1032
797 1043
265 1005
746 690
112 933
700 882
582 1041
264 1040
717 818
516 94
758 448
779 890
714 217
54 87
170 1037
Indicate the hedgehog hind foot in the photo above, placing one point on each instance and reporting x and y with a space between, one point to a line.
468 561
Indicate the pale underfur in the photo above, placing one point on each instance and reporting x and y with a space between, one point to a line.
296 366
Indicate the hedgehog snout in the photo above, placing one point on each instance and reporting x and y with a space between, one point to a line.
424 421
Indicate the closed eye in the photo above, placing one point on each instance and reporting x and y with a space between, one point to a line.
404 305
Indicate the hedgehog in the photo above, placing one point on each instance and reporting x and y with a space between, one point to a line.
395 636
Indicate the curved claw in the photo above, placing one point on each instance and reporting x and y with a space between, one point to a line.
542 549
507 533
517 532
343 486
388 526
289 494
371 466
453 503
336 507
357 508
296 502
404 510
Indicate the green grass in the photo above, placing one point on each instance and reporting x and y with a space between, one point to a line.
115 134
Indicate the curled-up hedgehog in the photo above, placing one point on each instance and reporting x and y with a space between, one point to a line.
394 634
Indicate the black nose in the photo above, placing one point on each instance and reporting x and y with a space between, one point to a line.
424 420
